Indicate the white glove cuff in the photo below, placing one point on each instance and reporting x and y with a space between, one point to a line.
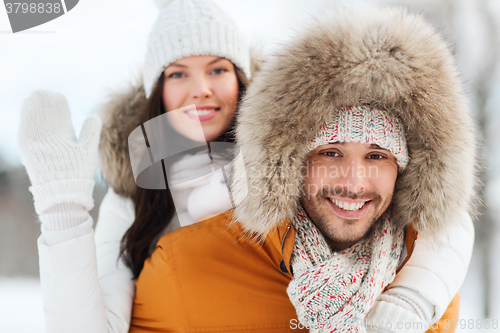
386 317
64 216
411 300
75 190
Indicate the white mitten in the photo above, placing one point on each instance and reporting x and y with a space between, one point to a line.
60 166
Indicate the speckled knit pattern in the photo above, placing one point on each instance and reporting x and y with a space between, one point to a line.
366 125
333 292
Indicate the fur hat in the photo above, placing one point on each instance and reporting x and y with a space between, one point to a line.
356 57
187 28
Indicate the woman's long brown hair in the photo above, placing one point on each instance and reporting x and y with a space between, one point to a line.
154 209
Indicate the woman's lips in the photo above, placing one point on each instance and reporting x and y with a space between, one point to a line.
349 214
202 114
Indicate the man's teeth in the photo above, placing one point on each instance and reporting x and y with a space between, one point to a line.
201 112
348 206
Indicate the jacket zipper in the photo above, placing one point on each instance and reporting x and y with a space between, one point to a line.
283 240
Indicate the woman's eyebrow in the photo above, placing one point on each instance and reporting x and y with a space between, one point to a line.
215 60
176 65
210 63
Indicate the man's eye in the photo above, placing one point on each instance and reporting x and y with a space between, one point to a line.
219 71
376 156
176 75
331 153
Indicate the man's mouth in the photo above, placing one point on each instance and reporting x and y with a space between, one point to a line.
349 209
348 206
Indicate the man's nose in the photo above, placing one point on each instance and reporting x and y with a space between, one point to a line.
353 176
200 88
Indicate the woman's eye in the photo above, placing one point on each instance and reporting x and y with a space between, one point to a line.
176 75
218 71
331 153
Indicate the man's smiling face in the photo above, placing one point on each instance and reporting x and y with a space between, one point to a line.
348 186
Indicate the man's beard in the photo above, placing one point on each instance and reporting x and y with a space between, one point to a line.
333 227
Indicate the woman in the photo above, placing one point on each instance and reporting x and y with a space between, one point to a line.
194 57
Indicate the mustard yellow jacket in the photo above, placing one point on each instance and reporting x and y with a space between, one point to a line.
210 277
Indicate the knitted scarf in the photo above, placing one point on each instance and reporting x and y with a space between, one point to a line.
333 292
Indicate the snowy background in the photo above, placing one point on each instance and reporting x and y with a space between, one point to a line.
99 46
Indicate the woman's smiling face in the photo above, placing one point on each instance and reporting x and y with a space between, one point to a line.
209 83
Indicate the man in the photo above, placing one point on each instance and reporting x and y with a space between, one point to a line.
354 137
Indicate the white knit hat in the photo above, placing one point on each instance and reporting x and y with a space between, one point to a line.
365 124
187 28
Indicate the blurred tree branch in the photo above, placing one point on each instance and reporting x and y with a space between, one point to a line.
484 87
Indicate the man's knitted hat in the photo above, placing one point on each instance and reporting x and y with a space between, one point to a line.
187 28
365 124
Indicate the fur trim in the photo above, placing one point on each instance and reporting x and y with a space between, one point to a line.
256 58
386 57
121 115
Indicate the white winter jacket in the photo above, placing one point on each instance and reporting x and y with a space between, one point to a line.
85 287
